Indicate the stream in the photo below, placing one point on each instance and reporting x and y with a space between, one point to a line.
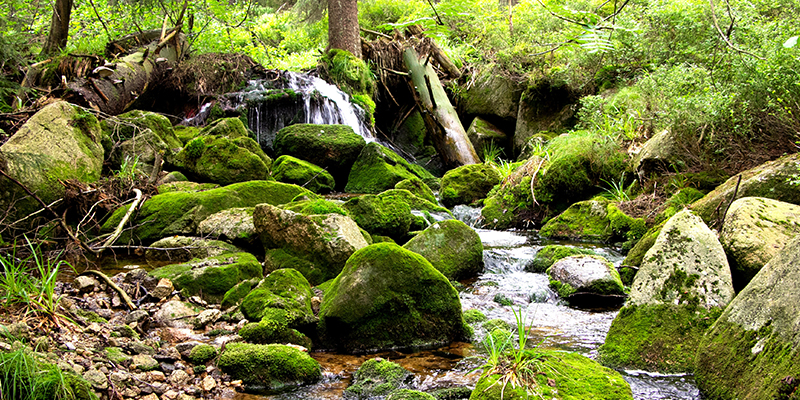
553 324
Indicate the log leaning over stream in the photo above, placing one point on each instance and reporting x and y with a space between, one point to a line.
441 119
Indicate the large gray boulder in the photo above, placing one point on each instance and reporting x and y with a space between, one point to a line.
755 230
662 152
683 284
233 225
492 94
585 273
751 352
184 248
389 297
59 142
485 137
327 240
777 180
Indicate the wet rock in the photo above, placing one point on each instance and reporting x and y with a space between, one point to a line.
174 314
585 273
682 286
85 284
387 296
377 377
751 351
451 247
755 230
144 362
468 184
271 366
327 240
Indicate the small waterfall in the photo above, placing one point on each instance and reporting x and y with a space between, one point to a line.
292 98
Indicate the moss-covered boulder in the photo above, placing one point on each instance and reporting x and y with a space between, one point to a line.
468 184
560 375
332 147
211 277
547 255
315 206
185 248
586 220
202 354
487 138
392 213
234 225
59 142
377 377
387 296
409 394
451 247
224 160
285 289
377 169
233 297
683 284
585 274
510 204
751 352
635 255
137 136
326 241
231 128
179 213
755 230
273 328
300 172
185 186
775 180
418 188
494 93
662 152
272 367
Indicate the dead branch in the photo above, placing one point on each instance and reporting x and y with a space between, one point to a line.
124 296
118 230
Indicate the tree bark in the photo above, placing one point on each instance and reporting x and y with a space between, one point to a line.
441 119
343 32
59 28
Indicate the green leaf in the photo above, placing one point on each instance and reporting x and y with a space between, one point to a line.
791 42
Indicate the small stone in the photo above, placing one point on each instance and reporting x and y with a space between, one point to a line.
184 396
157 376
163 289
132 392
136 316
185 348
118 378
96 378
151 396
207 317
144 362
208 383
159 388
170 394
94 328
85 284
179 377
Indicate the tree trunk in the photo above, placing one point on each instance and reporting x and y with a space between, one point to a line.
59 28
343 30
441 119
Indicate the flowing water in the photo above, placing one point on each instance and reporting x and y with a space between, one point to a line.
553 324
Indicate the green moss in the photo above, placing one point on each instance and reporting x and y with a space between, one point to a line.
507 205
624 227
548 255
179 213
418 188
558 375
116 355
195 148
235 294
473 316
378 168
315 207
468 183
211 277
585 220
494 324
228 127
126 126
224 160
452 247
289 169
678 202
284 289
728 367
381 215
185 187
202 354
367 104
409 394
348 72
273 328
387 296
272 366
656 337
186 133
378 377
636 254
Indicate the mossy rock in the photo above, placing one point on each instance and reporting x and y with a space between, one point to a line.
234 225
494 324
185 248
211 277
506 206
378 169
185 186
224 160
285 289
751 352
473 316
377 377
273 328
272 367
231 128
387 296
549 254
235 294
418 188
300 172
585 220
636 254
452 247
186 133
662 337
202 354
486 138
126 126
468 184
677 202
392 213
586 274
315 207
349 72
58 143
409 394
775 180
334 148
494 93
179 213
560 375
